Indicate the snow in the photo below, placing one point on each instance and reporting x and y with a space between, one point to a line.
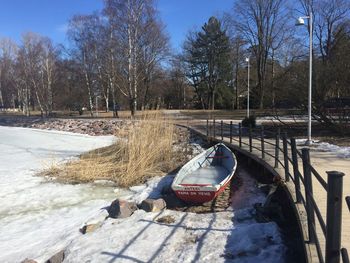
229 236
340 151
39 218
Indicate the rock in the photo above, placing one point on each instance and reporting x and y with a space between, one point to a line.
57 258
29 261
172 201
88 228
166 219
153 205
121 209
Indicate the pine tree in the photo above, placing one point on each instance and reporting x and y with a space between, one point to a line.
208 54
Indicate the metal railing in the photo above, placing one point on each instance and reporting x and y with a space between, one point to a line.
302 180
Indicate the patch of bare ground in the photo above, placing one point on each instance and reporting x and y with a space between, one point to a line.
150 147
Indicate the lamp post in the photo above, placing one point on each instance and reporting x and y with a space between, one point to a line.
247 60
301 22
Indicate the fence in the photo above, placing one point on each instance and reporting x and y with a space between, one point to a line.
302 180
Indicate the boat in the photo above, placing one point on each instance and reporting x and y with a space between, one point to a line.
206 175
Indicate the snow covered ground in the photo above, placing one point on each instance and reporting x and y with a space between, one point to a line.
342 152
39 218
230 236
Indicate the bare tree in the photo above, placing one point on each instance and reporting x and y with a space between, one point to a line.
82 31
8 51
132 22
262 24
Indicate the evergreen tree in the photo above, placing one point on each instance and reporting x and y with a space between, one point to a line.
207 54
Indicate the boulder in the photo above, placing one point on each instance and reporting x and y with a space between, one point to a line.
172 201
153 205
88 228
57 258
121 209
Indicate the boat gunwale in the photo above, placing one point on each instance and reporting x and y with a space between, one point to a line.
204 187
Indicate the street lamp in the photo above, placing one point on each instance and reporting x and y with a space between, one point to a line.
301 22
247 60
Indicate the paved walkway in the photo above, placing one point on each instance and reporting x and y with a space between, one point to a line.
322 161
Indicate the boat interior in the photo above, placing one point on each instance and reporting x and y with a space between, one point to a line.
209 168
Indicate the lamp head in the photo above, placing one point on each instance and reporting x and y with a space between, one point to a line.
246 59
300 22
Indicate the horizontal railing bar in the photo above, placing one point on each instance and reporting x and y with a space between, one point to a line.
269 154
290 160
270 143
299 154
318 214
301 178
319 178
318 246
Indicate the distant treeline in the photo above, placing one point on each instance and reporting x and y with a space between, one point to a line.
120 56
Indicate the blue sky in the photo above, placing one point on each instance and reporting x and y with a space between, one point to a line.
49 17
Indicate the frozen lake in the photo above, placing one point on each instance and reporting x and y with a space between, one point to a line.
38 218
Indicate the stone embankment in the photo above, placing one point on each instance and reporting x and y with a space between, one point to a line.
92 127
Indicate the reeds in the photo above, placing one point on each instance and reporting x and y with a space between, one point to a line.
142 150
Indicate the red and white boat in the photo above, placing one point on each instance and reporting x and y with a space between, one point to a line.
205 176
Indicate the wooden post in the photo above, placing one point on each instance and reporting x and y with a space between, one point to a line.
285 157
240 134
308 193
231 130
222 130
277 146
295 170
334 213
262 142
250 138
344 255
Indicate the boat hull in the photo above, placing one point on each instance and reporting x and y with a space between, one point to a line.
195 195
206 175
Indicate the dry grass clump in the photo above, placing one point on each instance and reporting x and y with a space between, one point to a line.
143 150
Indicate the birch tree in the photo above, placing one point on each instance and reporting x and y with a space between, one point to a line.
132 21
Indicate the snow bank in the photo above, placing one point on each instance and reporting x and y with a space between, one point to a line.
339 151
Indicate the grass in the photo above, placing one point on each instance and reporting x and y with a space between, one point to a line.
143 150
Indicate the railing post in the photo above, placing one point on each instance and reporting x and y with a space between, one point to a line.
334 213
262 142
222 130
308 194
295 169
344 255
240 134
231 130
214 130
207 128
277 146
250 138
285 157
